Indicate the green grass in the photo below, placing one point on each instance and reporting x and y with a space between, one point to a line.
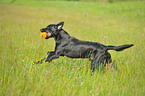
110 24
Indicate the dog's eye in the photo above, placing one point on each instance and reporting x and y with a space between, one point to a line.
55 27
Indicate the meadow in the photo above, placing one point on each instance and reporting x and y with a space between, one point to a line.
107 23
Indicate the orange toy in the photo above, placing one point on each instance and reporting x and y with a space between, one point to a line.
43 35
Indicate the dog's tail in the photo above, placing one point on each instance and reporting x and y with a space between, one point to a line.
119 48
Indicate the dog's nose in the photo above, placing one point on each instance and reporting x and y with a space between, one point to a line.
41 30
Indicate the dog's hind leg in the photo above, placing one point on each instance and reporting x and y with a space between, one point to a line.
100 58
95 60
94 64
105 58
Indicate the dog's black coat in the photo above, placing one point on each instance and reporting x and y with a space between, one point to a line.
69 46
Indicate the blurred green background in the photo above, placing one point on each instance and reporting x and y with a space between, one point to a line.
110 22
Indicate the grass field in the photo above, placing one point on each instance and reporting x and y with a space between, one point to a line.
110 24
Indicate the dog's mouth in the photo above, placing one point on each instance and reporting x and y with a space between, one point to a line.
48 34
45 35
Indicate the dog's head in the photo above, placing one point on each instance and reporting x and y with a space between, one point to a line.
52 29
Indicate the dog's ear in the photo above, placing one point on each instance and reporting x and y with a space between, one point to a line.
60 25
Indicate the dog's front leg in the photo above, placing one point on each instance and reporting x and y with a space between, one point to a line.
52 55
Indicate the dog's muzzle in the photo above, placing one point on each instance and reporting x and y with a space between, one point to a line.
45 35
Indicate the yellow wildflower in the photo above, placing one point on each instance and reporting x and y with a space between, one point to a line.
32 62
22 60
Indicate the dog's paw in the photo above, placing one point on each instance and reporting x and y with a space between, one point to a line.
39 62
47 60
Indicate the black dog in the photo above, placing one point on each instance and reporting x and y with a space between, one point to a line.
69 46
